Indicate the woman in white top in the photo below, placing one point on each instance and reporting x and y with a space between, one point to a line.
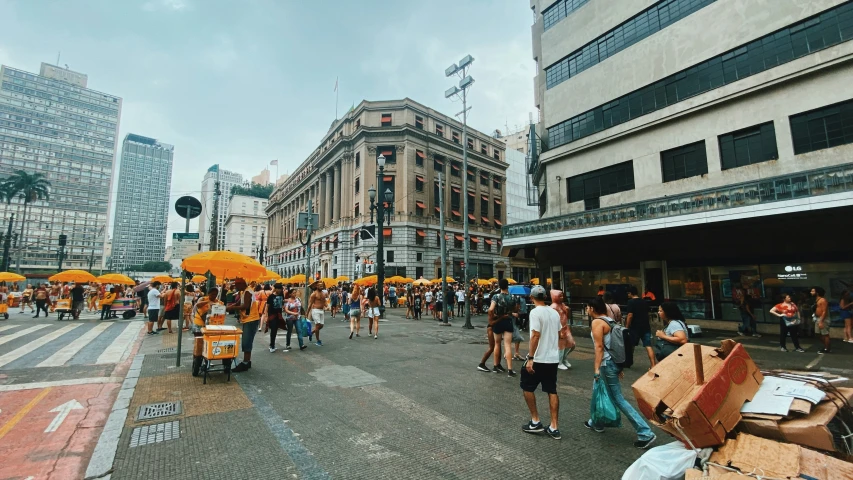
607 371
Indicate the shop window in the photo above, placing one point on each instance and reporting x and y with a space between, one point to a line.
822 128
684 162
748 146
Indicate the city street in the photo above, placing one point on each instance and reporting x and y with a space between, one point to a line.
409 404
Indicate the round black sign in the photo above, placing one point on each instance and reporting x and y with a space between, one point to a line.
188 207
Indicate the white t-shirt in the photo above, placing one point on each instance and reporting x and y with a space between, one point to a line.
546 321
153 299
428 296
460 296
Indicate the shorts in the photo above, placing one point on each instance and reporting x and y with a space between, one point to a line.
845 314
502 326
78 305
318 316
544 374
818 330
153 313
249 331
645 338
172 314
53 298
355 312
373 312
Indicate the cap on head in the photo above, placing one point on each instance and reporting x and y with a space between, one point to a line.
538 293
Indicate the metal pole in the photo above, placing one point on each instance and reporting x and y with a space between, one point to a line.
261 250
467 238
380 239
443 243
308 255
7 244
182 320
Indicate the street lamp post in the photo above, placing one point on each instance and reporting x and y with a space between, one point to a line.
462 92
388 196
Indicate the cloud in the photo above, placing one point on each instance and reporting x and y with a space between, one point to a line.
167 5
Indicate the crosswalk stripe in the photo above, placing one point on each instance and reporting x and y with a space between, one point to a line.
23 332
32 346
121 344
8 327
67 352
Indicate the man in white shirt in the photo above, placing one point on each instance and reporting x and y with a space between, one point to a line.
544 348
153 306
428 300
460 302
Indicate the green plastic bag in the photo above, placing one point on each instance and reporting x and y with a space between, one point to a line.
603 411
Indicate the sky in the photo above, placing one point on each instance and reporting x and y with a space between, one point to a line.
240 83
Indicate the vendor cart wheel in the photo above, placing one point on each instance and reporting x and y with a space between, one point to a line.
226 364
197 365
6 316
206 367
128 314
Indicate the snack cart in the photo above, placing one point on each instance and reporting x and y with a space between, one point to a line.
127 307
4 305
221 342
63 307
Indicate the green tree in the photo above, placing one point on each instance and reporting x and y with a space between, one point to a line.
253 190
28 187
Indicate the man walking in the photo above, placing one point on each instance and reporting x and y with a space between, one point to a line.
821 318
250 318
316 303
460 301
541 365
78 300
638 321
153 306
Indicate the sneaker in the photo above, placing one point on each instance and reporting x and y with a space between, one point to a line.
303 347
499 369
644 444
562 367
272 349
483 368
350 335
518 357
783 349
567 364
532 427
375 337
592 427
511 373
823 350
555 434
800 350
241 368
319 343
740 333
286 348
756 335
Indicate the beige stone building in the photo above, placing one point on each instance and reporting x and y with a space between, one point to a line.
698 148
418 143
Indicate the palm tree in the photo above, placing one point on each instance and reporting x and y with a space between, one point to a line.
29 187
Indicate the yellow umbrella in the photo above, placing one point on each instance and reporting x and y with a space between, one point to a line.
198 279
11 277
224 264
483 283
342 278
421 282
267 276
328 282
534 281
116 279
493 280
511 281
161 279
395 279
408 280
76 276
298 278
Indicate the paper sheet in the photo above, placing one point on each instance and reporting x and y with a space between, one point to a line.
765 400
805 392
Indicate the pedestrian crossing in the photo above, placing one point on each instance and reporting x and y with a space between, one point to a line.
63 344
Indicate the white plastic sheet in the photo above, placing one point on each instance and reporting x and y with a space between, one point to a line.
667 462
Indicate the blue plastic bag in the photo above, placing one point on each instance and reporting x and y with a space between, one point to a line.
306 327
603 411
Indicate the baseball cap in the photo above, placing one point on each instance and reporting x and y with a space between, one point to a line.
538 292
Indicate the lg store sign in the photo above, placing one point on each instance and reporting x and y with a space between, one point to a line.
793 272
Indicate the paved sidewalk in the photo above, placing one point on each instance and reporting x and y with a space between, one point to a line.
408 405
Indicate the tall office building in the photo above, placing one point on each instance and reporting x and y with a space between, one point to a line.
519 208
142 206
245 224
698 148
52 124
227 180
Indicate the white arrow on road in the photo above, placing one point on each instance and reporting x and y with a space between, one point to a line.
62 412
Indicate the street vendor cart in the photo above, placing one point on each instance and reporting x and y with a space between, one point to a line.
63 308
220 342
125 306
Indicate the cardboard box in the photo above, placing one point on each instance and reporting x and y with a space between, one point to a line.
768 458
699 415
811 430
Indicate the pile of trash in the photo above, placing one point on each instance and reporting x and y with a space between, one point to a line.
732 420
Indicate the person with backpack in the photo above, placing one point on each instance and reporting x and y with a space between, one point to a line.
607 353
503 305
541 364
417 303
675 333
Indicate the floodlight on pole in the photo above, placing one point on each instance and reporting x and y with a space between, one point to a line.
450 70
451 92
466 82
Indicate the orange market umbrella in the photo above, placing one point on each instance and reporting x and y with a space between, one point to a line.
395 279
161 279
198 279
223 264
342 278
534 281
116 279
328 282
511 281
268 275
421 282
298 278
76 276
493 280
11 277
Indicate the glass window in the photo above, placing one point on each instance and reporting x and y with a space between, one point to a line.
386 120
684 162
419 122
822 128
590 186
560 10
748 146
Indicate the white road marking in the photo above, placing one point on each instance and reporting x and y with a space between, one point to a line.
122 343
26 331
814 362
62 412
58 383
67 352
32 346
8 327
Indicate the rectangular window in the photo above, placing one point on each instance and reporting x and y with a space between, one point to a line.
358 123
455 169
484 149
357 159
497 211
560 10
684 162
472 243
439 129
496 183
454 198
419 183
469 175
357 212
419 158
390 153
419 257
470 143
484 206
454 136
590 186
822 128
357 185
438 164
420 236
797 40
386 119
389 256
487 245
748 146
387 234
496 154
419 122
419 271
457 241
420 207
484 180
470 203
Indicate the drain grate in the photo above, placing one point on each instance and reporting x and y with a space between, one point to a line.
167 350
157 410
156 433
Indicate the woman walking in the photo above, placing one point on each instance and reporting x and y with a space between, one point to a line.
373 311
846 314
26 298
274 308
607 371
789 323
674 335
292 309
566 342
355 311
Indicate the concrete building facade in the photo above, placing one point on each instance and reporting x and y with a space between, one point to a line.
142 203
679 136
246 224
53 124
262 178
418 143
227 180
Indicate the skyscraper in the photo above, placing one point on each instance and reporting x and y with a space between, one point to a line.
52 124
227 181
142 206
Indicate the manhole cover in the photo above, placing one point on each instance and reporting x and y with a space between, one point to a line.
157 410
156 433
167 350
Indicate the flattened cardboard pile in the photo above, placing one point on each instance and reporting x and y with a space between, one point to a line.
763 458
696 393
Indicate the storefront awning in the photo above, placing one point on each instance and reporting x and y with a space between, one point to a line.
388 179
420 204
455 189
497 201
498 222
455 167
419 178
459 237
437 209
420 154
484 198
486 219
387 153
456 213
489 242
420 233
475 239
472 217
